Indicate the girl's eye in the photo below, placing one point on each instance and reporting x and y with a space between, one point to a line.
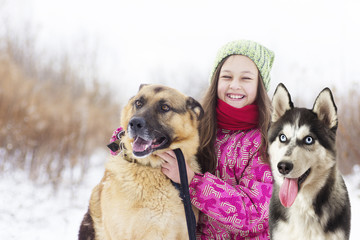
138 104
282 138
226 77
165 108
308 140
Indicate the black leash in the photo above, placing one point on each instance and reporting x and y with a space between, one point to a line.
183 187
185 194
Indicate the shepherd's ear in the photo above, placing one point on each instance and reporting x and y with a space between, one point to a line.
142 85
281 102
196 107
325 108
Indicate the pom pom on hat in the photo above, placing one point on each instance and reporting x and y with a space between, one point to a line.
260 55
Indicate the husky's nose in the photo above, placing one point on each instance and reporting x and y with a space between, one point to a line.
285 167
137 123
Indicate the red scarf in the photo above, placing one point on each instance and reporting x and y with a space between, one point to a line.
231 118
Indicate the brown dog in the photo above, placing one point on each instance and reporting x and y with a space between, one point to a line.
134 199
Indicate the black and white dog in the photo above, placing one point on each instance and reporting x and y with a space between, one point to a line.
310 200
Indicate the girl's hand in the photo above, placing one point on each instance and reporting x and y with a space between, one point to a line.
171 169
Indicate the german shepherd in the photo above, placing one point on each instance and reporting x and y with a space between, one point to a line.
134 199
310 199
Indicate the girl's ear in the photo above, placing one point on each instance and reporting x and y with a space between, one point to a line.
281 102
196 107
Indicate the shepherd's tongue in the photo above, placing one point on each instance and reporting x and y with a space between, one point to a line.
288 191
140 144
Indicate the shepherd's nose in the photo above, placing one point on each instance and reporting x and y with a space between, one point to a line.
137 123
285 167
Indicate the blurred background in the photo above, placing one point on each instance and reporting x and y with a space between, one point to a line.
67 68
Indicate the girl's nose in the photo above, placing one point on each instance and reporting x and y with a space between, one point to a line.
235 84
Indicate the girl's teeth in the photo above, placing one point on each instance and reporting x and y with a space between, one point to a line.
235 96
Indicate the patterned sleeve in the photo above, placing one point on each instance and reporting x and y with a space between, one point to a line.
240 208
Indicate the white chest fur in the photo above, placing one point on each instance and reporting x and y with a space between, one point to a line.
304 224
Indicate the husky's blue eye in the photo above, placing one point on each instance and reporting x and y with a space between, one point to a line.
308 140
282 138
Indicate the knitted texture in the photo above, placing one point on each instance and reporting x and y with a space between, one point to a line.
260 55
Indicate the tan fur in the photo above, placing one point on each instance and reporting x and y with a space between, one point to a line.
135 200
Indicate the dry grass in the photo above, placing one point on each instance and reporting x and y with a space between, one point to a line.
50 118
348 134
53 118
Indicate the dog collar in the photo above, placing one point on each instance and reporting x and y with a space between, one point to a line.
127 158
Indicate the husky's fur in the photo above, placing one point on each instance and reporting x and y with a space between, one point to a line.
302 148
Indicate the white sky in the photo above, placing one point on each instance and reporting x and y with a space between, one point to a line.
316 42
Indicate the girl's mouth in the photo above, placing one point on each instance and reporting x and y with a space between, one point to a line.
235 96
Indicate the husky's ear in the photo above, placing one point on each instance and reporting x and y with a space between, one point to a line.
196 107
281 102
325 108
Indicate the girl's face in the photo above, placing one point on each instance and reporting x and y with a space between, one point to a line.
238 81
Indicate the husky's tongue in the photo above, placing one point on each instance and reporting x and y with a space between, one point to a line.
141 145
288 191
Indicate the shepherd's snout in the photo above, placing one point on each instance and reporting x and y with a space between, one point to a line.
137 123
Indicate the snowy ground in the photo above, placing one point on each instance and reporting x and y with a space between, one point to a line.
35 212
32 212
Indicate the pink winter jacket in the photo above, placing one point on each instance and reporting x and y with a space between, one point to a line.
234 203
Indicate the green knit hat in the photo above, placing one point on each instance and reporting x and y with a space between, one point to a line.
260 55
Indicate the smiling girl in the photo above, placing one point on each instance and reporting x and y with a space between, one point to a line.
234 191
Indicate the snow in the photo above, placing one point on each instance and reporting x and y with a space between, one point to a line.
353 185
36 212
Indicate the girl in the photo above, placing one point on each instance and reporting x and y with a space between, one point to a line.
234 192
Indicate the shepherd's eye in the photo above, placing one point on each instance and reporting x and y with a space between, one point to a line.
138 104
165 108
308 140
282 138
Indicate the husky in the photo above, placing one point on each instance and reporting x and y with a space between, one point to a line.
310 199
